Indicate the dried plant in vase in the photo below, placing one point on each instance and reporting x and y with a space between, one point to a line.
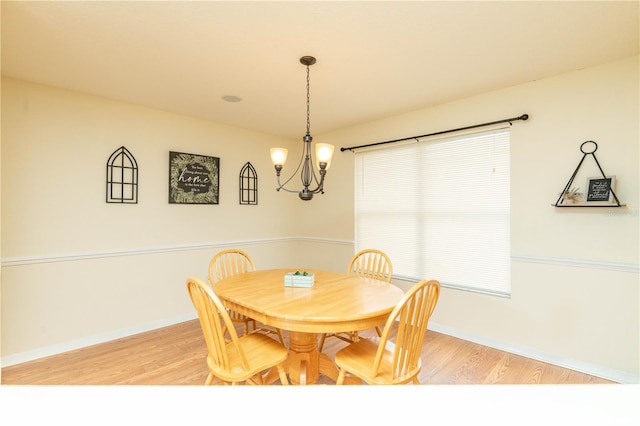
572 196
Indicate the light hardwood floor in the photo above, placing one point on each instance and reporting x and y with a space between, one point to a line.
176 355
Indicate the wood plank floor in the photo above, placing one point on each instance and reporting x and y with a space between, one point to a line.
176 355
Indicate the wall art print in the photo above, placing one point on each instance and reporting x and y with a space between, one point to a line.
193 179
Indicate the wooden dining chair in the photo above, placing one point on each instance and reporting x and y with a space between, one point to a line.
368 263
228 263
382 361
241 360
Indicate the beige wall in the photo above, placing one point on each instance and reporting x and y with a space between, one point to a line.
77 270
574 271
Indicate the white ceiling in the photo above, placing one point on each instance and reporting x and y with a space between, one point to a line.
374 58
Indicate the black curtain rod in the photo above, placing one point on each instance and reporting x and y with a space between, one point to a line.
508 120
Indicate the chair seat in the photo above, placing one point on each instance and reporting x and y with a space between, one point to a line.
261 352
358 358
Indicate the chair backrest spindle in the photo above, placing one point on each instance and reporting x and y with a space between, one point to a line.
371 263
228 263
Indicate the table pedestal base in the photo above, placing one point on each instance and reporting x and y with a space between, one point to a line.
306 362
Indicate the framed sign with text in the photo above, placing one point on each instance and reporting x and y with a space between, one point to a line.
599 189
193 179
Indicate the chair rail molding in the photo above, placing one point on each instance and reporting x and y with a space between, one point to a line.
72 257
579 263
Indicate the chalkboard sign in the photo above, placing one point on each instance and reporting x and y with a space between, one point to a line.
193 179
599 188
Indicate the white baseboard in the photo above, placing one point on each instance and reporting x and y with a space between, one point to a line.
583 367
19 358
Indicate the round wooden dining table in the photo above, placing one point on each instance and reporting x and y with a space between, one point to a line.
335 303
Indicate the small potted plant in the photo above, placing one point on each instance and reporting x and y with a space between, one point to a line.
571 196
299 279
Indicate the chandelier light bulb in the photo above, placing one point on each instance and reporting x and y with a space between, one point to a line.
278 156
324 153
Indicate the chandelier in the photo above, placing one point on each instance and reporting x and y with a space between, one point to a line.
324 152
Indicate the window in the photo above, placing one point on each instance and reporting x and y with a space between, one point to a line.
440 209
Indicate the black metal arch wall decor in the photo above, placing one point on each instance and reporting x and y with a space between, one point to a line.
248 185
122 177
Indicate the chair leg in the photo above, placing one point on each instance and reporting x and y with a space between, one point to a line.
340 377
379 331
209 379
324 336
267 331
416 381
258 379
283 375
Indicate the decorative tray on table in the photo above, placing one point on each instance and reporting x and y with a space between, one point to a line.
299 279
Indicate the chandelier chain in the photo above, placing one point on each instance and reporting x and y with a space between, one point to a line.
308 99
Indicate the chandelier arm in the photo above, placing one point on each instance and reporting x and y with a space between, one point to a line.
282 185
308 175
320 187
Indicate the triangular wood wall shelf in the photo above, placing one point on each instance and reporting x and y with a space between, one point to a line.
610 198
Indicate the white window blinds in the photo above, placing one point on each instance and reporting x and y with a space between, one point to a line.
440 209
